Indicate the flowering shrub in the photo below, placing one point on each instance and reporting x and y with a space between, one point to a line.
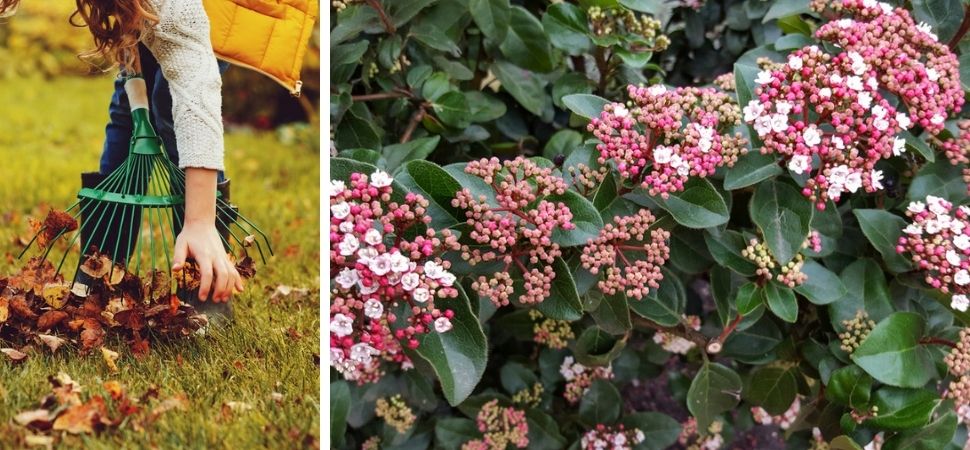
645 225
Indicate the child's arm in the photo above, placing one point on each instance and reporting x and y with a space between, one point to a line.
180 43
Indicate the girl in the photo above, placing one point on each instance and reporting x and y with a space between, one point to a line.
170 38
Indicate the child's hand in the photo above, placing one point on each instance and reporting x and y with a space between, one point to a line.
218 274
200 239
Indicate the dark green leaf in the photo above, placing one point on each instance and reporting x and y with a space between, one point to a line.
483 107
516 377
364 155
398 154
781 301
543 431
458 356
940 179
595 347
452 432
452 109
902 409
585 105
586 219
892 353
563 302
437 186
600 404
665 305
715 389
772 388
699 205
726 249
436 85
785 8
613 314
567 27
526 44
822 286
866 290
523 85
750 169
339 407
883 229
748 299
934 436
348 53
919 145
849 386
784 216
357 130
492 17
660 431
943 16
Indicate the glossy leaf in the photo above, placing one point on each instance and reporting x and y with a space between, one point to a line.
849 386
783 215
492 17
715 389
699 205
781 301
772 388
600 404
892 354
883 230
822 286
563 302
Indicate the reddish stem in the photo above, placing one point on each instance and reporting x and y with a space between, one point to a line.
717 343
378 96
388 25
964 27
938 341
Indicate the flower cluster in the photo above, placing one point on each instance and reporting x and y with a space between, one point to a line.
623 21
676 344
668 136
691 439
857 330
501 426
628 238
395 413
825 116
726 82
789 274
518 231
908 59
550 332
938 241
957 149
374 268
783 421
529 398
958 364
586 179
579 378
611 438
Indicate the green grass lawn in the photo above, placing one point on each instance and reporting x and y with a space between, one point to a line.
50 131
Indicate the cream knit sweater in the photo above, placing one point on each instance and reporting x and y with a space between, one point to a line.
180 42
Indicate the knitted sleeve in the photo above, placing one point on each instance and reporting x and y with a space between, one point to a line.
180 43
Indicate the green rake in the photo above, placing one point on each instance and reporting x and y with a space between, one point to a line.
141 203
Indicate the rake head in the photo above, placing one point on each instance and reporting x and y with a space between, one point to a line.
130 219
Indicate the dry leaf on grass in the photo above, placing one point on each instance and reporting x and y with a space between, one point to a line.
110 359
14 354
52 342
37 419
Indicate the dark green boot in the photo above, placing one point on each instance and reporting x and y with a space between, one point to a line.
218 314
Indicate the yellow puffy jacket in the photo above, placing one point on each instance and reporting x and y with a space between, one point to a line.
268 36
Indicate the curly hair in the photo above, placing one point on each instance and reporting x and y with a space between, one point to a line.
115 25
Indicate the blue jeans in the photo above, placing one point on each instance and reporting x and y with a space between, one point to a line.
117 134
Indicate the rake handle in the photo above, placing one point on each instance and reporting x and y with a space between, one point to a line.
137 92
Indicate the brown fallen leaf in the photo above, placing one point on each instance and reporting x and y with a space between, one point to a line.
56 294
66 390
52 342
110 359
96 266
38 419
82 418
56 224
37 440
50 319
14 354
4 309
19 307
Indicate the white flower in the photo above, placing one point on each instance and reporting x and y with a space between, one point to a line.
336 356
885 7
680 165
366 254
662 154
926 28
380 265
825 92
839 143
367 290
916 207
442 324
347 278
764 77
800 163
835 78
859 66
932 226
762 125
346 227
855 83
873 83
618 440
811 136
953 257
960 303
903 120
409 281
783 107
853 182
362 352
779 122
875 179
421 295
795 62
373 309
961 241
433 270
932 74
880 124
937 119
380 179
566 368
937 205
657 89
753 110
400 263
337 187
962 277
619 110
706 138
340 210
899 146
373 237
349 245
865 99
341 325
448 279
845 23
869 3
878 110
913 229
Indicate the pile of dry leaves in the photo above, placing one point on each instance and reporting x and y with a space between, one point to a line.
38 306
65 409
